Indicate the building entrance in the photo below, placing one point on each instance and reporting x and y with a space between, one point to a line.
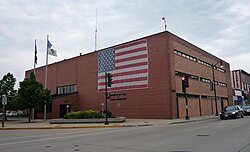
64 108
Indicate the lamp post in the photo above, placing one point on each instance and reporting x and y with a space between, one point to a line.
214 86
106 99
165 23
4 102
67 106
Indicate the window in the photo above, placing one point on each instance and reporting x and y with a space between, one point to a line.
177 52
221 70
245 86
205 80
67 89
222 84
204 63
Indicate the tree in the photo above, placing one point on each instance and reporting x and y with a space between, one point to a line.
7 84
31 94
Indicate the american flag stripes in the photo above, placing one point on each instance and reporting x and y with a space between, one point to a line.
127 63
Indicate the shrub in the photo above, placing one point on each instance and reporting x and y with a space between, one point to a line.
110 115
86 114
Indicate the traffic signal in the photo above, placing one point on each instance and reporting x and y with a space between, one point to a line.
185 84
109 83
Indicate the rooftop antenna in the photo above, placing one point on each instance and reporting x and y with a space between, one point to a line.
165 23
96 31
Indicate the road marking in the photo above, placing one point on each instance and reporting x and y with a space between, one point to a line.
40 135
72 136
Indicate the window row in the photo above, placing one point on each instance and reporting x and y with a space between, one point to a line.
185 55
67 89
205 80
177 52
202 96
204 63
222 84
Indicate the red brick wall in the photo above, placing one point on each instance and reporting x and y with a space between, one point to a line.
154 102
87 81
158 100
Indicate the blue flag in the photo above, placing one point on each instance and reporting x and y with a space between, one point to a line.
51 51
49 45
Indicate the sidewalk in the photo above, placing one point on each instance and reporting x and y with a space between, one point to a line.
22 124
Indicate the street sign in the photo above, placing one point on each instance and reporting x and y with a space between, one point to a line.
4 100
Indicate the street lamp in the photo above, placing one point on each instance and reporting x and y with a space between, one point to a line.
214 86
165 24
67 106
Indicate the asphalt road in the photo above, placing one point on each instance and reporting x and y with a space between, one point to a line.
204 136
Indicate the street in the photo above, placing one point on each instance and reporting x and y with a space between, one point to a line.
213 135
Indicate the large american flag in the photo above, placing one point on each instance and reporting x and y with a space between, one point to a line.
127 63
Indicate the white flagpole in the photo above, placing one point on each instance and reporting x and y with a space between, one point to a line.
35 58
46 77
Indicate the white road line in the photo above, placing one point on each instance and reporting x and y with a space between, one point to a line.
72 136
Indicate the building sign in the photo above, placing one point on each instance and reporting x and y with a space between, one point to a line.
120 96
4 100
237 93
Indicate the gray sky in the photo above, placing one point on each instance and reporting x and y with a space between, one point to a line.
219 27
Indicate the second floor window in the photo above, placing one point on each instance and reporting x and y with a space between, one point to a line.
66 89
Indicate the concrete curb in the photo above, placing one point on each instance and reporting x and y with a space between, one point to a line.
92 120
62 127
138 125
75 127
195 120
177 121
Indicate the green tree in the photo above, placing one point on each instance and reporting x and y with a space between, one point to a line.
31 94
7 84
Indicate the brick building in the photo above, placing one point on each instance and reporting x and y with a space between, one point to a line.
241 86
147 80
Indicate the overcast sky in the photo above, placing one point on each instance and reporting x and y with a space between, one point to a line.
219 27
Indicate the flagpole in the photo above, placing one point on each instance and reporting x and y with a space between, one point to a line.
46 78
34 70
35 59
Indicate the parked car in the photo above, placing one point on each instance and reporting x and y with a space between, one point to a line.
11 113
232 112
246 110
